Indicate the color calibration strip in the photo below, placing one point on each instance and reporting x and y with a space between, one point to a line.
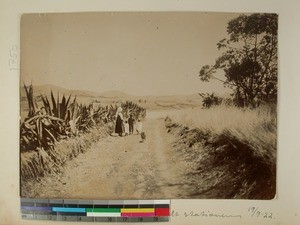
96 210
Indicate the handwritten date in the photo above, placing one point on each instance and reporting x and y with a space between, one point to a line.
256 212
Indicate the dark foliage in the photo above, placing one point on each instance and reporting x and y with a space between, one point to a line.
248 59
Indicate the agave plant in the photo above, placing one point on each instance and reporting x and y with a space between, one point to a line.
40 131
131 108
43 127
33 107
62 118
101 115
85 121
73 117
59 108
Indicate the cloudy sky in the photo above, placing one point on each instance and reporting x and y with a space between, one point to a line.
137 53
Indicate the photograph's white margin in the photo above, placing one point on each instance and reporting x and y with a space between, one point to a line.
285 208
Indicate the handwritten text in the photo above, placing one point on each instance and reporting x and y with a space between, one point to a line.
205 213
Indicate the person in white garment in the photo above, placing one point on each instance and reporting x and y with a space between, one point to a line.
126 128
139 126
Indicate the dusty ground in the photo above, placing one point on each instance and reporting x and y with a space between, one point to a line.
122 168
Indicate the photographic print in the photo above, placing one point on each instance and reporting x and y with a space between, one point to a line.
148 105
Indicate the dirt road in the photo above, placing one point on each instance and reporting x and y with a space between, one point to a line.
121 168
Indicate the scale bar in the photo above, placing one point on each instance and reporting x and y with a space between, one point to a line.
96 210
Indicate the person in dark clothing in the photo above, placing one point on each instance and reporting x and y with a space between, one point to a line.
131 121
119 122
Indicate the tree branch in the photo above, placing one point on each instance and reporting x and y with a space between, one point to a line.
223 81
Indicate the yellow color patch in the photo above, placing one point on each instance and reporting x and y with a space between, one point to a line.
142 210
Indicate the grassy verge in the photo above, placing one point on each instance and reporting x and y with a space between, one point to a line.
232 152
36 164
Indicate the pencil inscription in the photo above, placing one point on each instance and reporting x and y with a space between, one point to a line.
205 213
13 58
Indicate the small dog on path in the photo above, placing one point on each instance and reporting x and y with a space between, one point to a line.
143 136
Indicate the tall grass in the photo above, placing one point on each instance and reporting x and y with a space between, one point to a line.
36 164
254 127
237 145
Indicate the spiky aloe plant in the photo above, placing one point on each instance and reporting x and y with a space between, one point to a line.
61 119
59 108
42 128
131 108
86 120
33 108
73 116
40 132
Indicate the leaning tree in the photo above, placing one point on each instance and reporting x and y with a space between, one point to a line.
248 59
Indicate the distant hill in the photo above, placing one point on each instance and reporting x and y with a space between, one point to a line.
47 88
107 96
113 94
152 102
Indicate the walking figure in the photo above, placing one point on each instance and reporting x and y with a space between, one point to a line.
139 126
126 127
119 122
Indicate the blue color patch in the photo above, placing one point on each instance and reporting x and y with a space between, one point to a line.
65 209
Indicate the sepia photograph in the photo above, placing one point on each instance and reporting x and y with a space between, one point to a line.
148 105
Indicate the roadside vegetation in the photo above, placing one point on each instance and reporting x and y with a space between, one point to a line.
231 143
231 151
58 129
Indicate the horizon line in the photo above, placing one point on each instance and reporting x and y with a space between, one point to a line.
120 91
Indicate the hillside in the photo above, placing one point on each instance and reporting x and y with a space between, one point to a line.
46 90
113 97
114 94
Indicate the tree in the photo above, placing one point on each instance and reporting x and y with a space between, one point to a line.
248 59
209 100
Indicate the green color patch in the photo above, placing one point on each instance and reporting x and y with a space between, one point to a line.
104 210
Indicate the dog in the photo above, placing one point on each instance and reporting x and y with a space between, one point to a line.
143 136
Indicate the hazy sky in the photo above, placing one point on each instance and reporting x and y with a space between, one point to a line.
138 53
